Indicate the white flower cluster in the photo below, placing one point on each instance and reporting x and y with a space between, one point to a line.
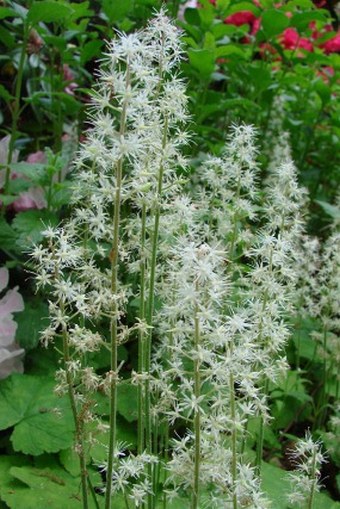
221 265
308 458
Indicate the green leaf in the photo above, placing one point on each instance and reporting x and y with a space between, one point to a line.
116 10
51 488
49 12
127 401
7 199
203 60
29 226
331 210
90 50
6 12
17 186
31 322
126 433
34 171
7 236
276 485
6 37
244 6
192 17
70 461
6 462
4 94
28 403
301 20
229 50
274 22
259 77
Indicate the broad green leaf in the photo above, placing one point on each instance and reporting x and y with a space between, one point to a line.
31 323
6 37
127 401
6 462
4 94
7 236
259 77
244 6
203 60
6 12
29 404
276 486
7 199
29 224
229 50
126 433
191 16
90 50
34 171
70 461
301 20
49 12
18 185
80 10
51 488
331 210
274 22
300 4
116 10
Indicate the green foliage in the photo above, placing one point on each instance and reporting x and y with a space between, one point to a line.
28 487
234 75
28 226
28 403
31 323
49 11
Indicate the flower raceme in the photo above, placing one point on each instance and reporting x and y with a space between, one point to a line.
139 259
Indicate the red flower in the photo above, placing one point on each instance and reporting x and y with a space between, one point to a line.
241 18
290 39
256 26
332 45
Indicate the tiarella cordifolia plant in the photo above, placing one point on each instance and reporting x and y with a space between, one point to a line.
207 351
307 457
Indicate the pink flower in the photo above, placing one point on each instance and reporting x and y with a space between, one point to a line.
256 26
332 45
10 352
69 77
290 39
36 157
241 18
34 197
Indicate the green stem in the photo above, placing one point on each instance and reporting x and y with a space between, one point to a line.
197 418
141 339
77 423
151 297
322 402
16 108
259 448
93 493
233 438
313 475
115 310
